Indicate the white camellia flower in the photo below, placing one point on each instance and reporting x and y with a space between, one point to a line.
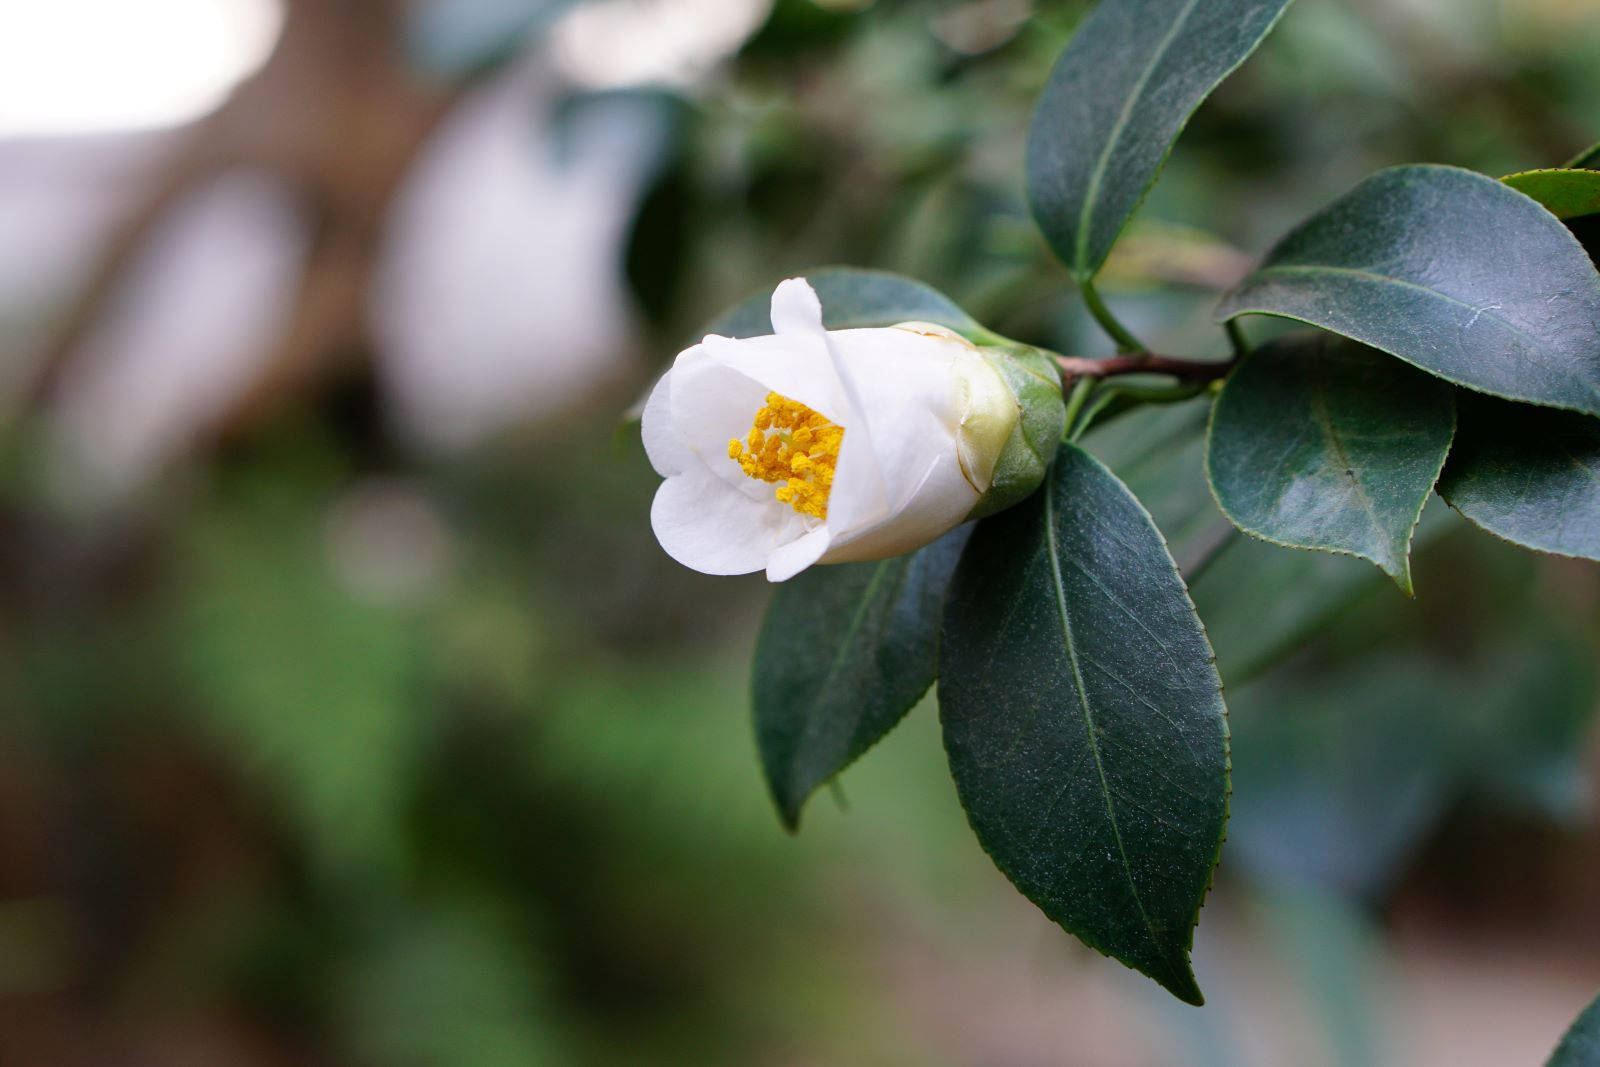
811 445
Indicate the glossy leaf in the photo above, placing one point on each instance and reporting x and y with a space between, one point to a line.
1451 271
844 653
1566 194
1581 1045
852 298
1116 101
1084 719
1529 476
1317 442
1258 601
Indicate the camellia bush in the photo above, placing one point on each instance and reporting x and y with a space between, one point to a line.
842 432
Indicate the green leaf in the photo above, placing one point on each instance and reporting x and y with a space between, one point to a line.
1456 273
853 298
1588 159
844 653
1581 1045
1084 719
310 687
1566 194
1528 476
1116 101
1317 442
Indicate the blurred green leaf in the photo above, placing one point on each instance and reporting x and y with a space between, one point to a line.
458 38
1342 771
1339 780
311 689
1084 719
1335 949
844 653
1588 159
1116 101
1320 443
443 988
852 298
1581 1045
1258 602
1261 603
1529 476
1566 194
1451 271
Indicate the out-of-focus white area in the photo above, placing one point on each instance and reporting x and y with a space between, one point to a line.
59 199
499 296
609 43
82 66
201 311
385 541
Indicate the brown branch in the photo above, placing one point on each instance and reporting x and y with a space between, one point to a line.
1189 370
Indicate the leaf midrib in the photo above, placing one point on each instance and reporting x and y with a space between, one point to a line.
1386 279
1069 643
1118 128
1330 433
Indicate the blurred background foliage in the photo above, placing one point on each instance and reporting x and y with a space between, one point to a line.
352 715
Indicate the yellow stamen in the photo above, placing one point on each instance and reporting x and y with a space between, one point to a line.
794 446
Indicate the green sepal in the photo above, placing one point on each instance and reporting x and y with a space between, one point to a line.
1042 416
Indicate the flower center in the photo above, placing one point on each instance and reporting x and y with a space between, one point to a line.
791 444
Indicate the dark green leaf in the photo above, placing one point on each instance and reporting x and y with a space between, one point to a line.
1084 718
1260 603
1529 476
1318 442
852 298
1588 159
1581 1045
1454 272
1117 99
1566 194
1160 456
844 653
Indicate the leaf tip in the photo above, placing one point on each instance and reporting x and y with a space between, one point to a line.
1181 983
788 807
1400 574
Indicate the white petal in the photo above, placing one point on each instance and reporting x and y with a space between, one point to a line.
907 393
794 557
942 499
668 453
797 367
795 309
710 405
859 498
705 525
720 384
910 398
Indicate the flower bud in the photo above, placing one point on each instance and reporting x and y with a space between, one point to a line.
810 445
